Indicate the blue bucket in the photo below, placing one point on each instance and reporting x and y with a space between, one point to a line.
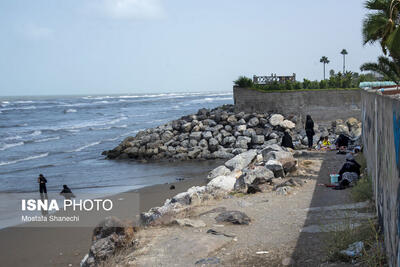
334 179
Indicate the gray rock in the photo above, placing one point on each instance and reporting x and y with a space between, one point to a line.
195 136
203 143
166 136
228 128
207 135
276 119
241 161
213 144
193 143
222 154
253 122
194 153
241 122
232 120
219 171
241 128
276 167
228 140
258 139
249 132
234 217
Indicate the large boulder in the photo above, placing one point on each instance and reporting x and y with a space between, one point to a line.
341 129
352 123
276 167
276 119
226 182
241 161
219 171
287 124
249 177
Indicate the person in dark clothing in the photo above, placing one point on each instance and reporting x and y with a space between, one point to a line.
342 141
66 192
287 140
309 131
349 172
42 185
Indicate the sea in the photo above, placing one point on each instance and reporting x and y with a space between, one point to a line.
62 137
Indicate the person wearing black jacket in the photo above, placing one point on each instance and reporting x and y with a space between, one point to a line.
287 140
42 184
309 131
66 192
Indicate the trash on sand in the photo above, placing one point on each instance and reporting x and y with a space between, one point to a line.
262 252
354 249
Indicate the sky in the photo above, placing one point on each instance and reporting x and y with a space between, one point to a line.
139 46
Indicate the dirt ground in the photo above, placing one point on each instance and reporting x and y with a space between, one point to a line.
285 230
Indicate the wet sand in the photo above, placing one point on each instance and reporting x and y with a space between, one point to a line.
55 245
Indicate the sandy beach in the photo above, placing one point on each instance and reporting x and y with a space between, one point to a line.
50 244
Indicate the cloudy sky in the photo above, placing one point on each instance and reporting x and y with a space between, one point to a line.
141 46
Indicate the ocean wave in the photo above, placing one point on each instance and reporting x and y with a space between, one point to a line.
46 139
36 133
18 108
84 147
13 137
71 110
210 99
23 102
7 146
24 159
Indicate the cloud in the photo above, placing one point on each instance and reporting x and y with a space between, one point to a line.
129 9
36 32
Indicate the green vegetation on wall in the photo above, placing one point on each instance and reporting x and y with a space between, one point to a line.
336 81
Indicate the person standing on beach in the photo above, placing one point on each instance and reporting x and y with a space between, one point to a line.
42 185
309 131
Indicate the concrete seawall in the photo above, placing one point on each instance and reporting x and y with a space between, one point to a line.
381 138
322 105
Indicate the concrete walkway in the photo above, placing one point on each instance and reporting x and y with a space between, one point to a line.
286 229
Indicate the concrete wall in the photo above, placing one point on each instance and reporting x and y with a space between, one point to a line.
322 105
381 138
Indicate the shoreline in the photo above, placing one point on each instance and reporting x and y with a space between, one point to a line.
20 245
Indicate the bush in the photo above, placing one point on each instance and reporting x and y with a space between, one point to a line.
244 82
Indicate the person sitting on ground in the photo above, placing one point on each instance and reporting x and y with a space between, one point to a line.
349 172
342 142
287 140
66 192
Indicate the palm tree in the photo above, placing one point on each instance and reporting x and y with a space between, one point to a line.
344 53
382 25
324 60
389 69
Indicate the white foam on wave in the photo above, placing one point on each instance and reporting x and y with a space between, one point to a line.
71 110
210 99
24 159
13 137
84 147
36 133
23 102
47 139
18 108
7 146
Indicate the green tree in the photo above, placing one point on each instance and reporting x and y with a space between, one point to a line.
244 82
388 68
382 25
324 60
344 53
